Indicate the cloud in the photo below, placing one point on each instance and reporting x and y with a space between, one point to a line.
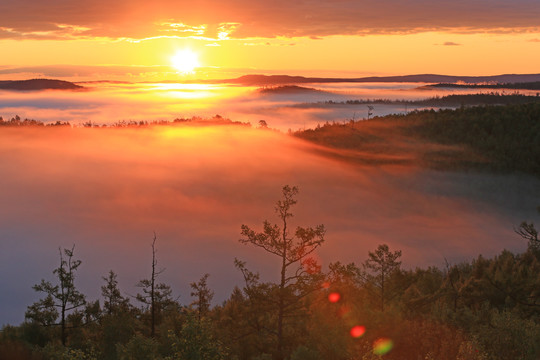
183 28
534 40
109 72
450 43
226 29
258 18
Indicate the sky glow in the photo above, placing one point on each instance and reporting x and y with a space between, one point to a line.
232 38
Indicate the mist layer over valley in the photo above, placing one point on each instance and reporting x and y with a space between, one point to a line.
282 108
107 189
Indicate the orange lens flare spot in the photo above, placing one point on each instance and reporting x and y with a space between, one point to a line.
382 346
334 297
358 331
326 285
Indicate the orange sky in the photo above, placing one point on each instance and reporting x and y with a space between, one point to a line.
135 40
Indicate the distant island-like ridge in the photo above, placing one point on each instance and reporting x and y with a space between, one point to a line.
286 82
38 84
258 80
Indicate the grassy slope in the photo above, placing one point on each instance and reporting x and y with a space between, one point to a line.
495 138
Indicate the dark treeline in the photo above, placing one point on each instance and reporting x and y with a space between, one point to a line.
455 100
17 121
508 136
288 89
503 138
195 120
39 84
535 85
478 310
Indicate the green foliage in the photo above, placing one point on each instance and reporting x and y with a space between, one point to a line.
114 301
532 85
196 341
13 346
379 267
508 136
471 350
61 300
528 232
508 336
304 353
203 296
485 309
492 138
156 297
262 357
139 347
56 352
300 274
116 329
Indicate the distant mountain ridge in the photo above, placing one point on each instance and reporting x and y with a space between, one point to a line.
533 85
290 89
259 80
38 84
290 80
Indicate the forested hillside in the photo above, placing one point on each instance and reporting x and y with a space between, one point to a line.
495 138
478 310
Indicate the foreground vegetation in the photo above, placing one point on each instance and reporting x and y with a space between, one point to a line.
484 309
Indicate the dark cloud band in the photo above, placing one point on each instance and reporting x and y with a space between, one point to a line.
313 18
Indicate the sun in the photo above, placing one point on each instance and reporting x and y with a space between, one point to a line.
185 61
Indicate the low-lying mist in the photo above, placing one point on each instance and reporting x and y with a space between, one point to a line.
106 103
108 190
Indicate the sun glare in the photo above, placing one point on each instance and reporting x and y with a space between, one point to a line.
185 61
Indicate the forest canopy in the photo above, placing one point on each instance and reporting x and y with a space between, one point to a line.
483 309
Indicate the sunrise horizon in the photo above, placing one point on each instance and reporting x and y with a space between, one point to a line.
295 76
269 180
310 39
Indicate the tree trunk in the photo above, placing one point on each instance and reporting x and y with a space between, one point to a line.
152 294
63 326
281 309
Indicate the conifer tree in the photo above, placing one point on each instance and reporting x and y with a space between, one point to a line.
294 250
380 265
203 296
61 299
154 295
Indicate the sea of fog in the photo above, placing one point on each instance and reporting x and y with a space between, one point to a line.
107 191
105 103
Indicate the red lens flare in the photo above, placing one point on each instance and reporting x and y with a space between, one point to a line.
334 297
358 331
